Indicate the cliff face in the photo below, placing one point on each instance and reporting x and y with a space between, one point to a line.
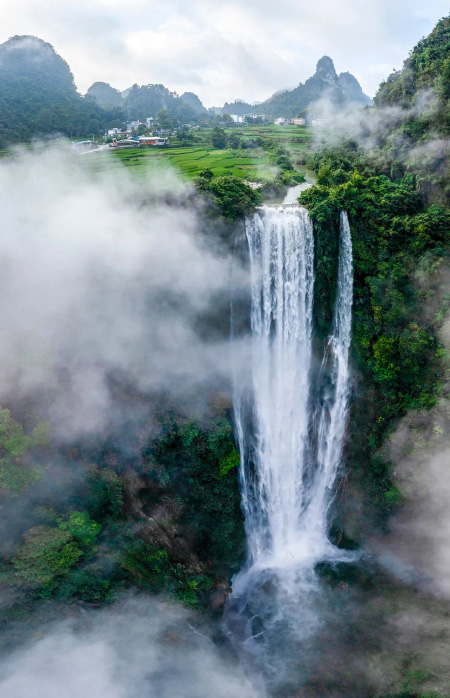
352 90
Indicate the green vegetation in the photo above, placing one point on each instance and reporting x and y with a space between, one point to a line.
188 161
412 138
198 466
172 526
233 196
251 153
144 101
218 138
400 220
45 554
16 474
394 236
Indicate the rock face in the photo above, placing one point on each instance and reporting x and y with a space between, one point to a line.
352 90
340 90
325 72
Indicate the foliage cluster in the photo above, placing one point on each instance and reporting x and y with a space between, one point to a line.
232 196
16 473
107 534
394 235
410 127
199 466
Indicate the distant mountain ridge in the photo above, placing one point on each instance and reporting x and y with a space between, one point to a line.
340 90
142 101
38 96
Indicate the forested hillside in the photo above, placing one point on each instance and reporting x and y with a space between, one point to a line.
142 101
38 95
408 130
106 96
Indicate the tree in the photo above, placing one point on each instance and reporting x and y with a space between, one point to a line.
203 179
45 553
234 141
81 527
165 119
186 115
15 474
219 138
234 195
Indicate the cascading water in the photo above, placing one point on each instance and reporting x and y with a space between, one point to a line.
281 258
291 437
333 414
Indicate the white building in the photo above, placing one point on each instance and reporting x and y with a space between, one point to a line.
150 121
281 122
298 121
239 118
317 122
134 125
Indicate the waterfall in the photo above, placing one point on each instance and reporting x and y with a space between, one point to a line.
292 450
281 260
334 410
290 424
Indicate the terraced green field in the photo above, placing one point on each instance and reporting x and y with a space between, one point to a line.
187 161
296 139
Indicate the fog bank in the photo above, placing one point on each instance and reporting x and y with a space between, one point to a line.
100 276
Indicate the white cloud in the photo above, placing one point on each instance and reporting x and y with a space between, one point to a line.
223 50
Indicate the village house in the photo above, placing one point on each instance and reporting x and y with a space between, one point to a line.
239 118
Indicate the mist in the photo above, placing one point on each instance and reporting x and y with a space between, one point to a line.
141 647
100 276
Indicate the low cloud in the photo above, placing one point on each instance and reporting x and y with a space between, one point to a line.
101 278
138 648
416 550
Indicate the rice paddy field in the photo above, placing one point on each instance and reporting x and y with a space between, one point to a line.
189 161
296 139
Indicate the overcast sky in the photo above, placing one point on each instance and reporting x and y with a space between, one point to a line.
224 50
